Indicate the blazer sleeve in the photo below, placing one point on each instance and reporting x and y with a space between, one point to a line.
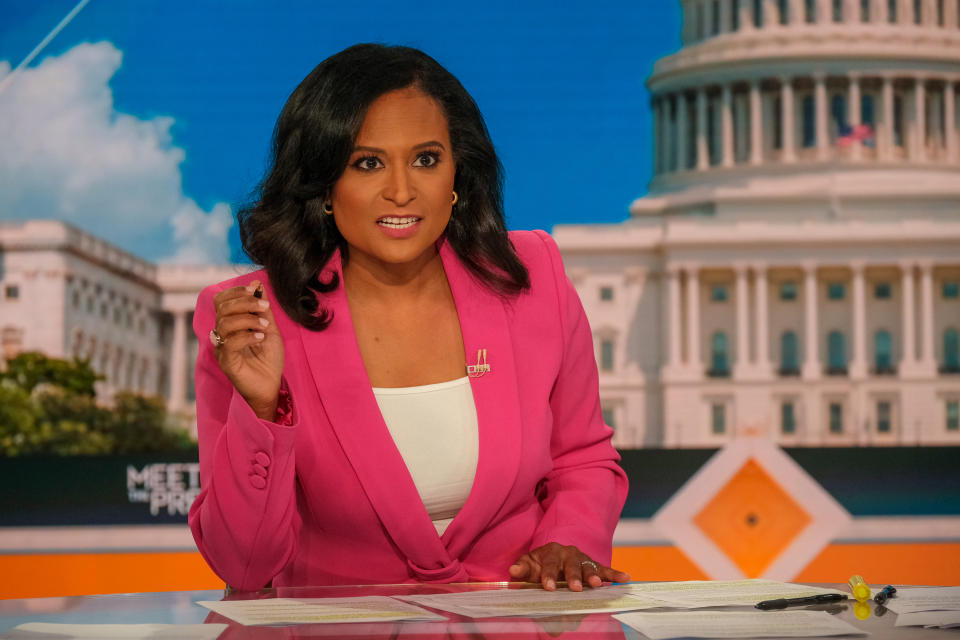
584 493
245 520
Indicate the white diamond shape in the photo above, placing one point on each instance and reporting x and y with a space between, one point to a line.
675 518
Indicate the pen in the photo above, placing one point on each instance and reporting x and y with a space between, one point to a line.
783 603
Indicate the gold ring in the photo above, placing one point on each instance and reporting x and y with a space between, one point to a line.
215 338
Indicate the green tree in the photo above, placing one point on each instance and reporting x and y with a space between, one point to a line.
31 369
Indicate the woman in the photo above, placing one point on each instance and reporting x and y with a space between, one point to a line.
414 396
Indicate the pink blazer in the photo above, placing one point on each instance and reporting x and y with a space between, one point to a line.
328 498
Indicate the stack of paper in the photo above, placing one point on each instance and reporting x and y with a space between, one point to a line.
926 607
737 624
49 630
318 610
694 594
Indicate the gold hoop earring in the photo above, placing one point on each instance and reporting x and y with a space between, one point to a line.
455 198
328 208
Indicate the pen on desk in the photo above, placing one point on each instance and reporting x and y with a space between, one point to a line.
882 595
783 603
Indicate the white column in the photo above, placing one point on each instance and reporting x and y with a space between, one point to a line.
950 112
824 11
703 157
796 16
950 14
682 160
887 139
726 126
880 13
693 319
674 321
928 360
789 153
761 331
858 366
756 124
178 362
746 15
853 110
820 98
851 11
905 12
920 119
771 16
725 26
811 358
929 13
908 302
742 365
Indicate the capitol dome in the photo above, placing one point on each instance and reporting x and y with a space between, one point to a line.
793 269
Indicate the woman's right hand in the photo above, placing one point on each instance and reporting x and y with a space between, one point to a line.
251 355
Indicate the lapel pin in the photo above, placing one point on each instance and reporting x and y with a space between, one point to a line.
477 370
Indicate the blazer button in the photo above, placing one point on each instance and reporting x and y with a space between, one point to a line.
258 482
260 470
262 458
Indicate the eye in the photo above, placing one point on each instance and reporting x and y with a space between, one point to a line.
368 163
427 159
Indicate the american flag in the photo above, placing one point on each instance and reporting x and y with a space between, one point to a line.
860 133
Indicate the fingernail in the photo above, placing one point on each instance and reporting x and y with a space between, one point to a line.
263 304
575 584
258 335
551 584
264 322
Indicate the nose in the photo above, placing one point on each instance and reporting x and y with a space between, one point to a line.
399 188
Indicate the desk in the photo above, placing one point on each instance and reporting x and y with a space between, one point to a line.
178 607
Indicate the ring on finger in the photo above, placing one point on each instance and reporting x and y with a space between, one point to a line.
596 567
215 338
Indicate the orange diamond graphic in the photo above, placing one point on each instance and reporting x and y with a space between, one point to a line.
752 519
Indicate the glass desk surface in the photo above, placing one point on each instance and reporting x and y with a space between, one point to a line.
178 607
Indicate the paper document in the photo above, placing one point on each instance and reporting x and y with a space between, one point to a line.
534 602
943 619
737 624
318 610
692 594
41 630
908 599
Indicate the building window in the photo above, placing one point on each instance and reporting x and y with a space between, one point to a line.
788 291
777 122
606 354
808 110
838 10
838 116
758 13
892 11
784 9
719 364
836 417
12 292
864 10
836 291
836 354
89 305
810 11
868 117
713 146
917 11
939 13
76 299
606 293
718 418
735 15
953 415
951 351
718 293
883 417
789 365
882 291
608 417
715 17
883 350
788 418
898 120
951 290
117 316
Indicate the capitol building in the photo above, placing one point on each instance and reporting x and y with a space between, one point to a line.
793 270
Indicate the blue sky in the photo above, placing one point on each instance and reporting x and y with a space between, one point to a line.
560 84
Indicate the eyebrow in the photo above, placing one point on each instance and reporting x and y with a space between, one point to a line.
422 145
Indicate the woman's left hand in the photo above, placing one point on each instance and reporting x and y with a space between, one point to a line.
554 562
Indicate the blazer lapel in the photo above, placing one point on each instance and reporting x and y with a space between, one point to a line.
485 328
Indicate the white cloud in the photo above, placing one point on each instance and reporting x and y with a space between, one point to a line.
66 153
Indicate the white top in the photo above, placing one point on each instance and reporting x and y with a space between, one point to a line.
435 429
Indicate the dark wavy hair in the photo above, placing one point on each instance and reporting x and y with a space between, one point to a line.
286 231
